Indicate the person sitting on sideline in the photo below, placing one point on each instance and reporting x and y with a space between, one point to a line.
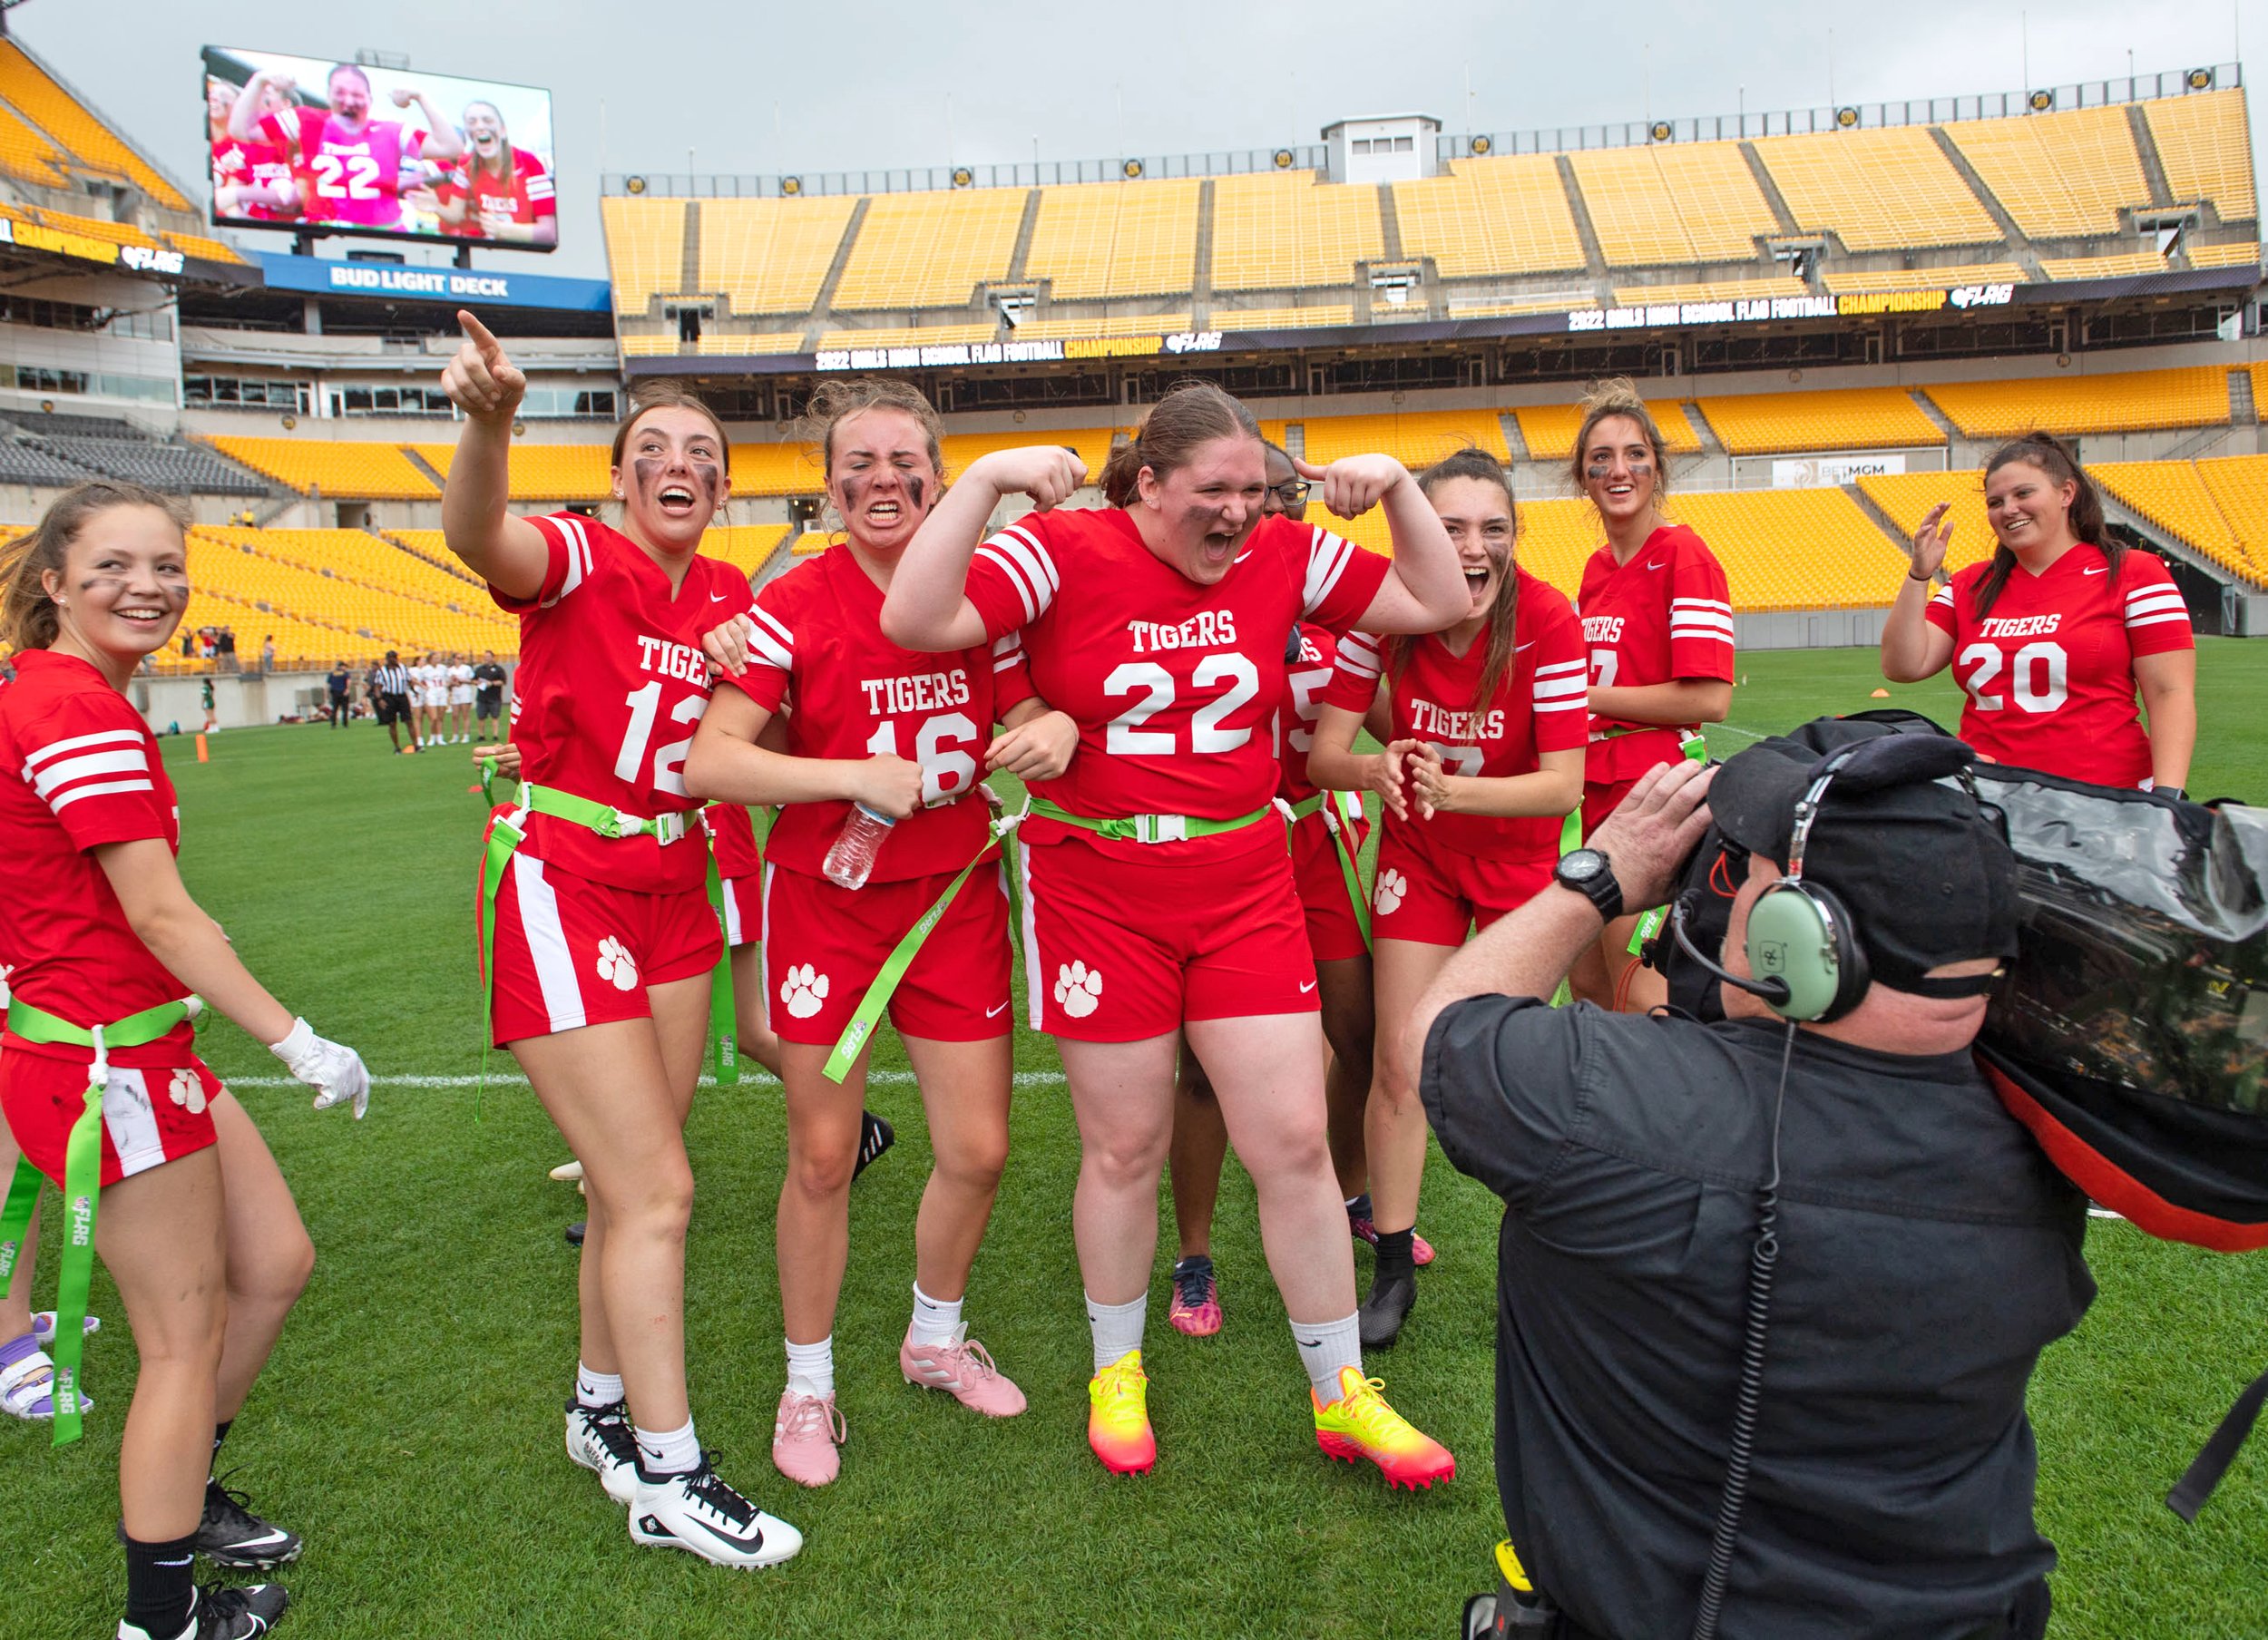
1927 1251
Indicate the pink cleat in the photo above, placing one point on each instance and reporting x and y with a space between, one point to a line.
964 1370
805 1437
1196 1297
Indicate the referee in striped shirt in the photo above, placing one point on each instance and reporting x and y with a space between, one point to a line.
389 685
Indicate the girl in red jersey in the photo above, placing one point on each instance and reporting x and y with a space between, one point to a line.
1657 620
1483 759
597 936
1159 894
99 1076
2052 638
1342 951
861 703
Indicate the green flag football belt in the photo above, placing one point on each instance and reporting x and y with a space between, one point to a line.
82 1180
1342 815
1150 829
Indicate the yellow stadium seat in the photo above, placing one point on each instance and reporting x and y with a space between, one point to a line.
541 472
810 542
1093 444
2122 265
2224 256
1926 278
930 249
2204 140
728 343
1878 190
771 256
1139 323
1282 230
1417 438
743 546
1673 203
26 87
1844 418
1550 430
200 245
2239 487
2058 175
2196 395
340 468
1282 318
645 252
788 468
1906 498
1719 290
2179 497
1492 216
361 594
1794 549
908 336
1097 241
635 346
24 153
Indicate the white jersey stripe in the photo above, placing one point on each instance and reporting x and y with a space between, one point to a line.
1327 557
578 556
1556 667
1049 581
761 647
1699 603
779 630
55 748
88 764
1555 688
547 943
106 789
1018 578
2164 617
1034 995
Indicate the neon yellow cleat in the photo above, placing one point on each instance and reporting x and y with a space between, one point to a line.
1117 1417
1360 1424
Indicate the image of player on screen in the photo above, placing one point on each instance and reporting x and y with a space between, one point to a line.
499 192
355 163
251 178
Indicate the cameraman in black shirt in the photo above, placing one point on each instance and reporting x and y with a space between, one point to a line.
1926 1251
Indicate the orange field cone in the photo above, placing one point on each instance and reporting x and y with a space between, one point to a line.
204 753
1880 694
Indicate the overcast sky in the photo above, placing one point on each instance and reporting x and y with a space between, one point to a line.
770 87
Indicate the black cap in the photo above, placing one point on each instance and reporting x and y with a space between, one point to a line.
1927 875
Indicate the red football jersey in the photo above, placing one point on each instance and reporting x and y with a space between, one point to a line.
239 164
525 196
816 642
611 682
1663 616
357 175
1537 707
1304 681
2050 673
732 833
84 770
1174 686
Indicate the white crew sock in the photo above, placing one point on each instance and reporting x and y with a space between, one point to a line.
671 1451
1323 1348
596 1390
811 1367
935 1320
1117 1328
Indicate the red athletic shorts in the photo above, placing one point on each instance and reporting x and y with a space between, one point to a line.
1118 951
744 909
150 1116
1332 934
824 945
571 953
1432 894
1601 798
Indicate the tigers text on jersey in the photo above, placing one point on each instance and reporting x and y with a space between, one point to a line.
1175 686
1664 616
2049 674
611 682
83 770
1539 707
814 641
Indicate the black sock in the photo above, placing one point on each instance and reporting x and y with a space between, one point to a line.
160 1592
1394 1255
219 1434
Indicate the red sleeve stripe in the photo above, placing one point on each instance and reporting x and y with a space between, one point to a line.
769 641
2154 606
1944 595
1029 568
60 773
104 789
1700 618
1327 557
539 187
1563 686
1358 657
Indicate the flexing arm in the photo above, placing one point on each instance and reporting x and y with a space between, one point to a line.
2168 683
1913 648
507 552
244 117
928 605
725 762
441 141
1425 589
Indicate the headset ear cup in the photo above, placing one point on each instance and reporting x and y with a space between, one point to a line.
1799 933
1852 976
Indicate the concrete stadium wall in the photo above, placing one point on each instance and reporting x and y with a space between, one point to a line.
240 699
1810 630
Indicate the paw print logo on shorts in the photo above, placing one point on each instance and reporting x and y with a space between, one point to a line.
1392 887
1078 988
188 1091
804 990
616 965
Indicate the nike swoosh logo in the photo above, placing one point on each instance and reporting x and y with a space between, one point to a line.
253 1543
716 597
184 1560
1657 563
991 1012
1240 558
1521 649
1310 1343
1306 987
2097 569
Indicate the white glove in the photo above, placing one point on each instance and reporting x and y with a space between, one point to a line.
336 1072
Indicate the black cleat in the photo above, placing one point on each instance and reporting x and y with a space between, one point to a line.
875 1136
1384 1311
230 1535
221 1612
575 1233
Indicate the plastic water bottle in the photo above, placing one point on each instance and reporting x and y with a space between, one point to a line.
851 859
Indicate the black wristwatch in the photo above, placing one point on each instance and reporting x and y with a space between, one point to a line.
1588 872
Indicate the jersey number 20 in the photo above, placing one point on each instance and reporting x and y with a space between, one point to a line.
2036 675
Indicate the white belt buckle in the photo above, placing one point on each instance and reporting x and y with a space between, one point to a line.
1167 828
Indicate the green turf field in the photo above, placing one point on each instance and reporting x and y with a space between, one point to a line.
409 1424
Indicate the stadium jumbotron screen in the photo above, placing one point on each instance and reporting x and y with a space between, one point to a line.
307 144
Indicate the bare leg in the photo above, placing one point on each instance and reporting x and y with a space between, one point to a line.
813 1239
1267 1071
620 1094
1122 1095
1394 1125
269 1256
162 1237
1200 1147
758 1039
1347 1022
965 1089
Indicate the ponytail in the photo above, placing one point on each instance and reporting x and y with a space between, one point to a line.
2060 462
